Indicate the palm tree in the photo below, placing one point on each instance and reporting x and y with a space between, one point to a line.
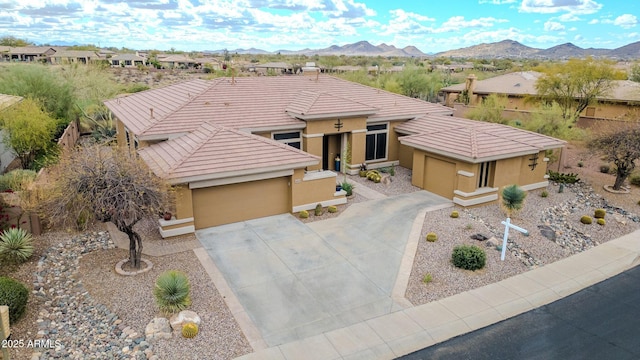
513 198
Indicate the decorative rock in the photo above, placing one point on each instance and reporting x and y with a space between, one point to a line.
479 237
158 328
547 232
183 317
493 242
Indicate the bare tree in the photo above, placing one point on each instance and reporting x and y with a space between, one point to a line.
106 184
622 147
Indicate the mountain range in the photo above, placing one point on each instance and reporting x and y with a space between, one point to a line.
501 49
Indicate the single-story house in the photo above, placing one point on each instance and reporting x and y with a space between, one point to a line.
30 53
7 154
74 57
127 60
176 61
241 148
520 90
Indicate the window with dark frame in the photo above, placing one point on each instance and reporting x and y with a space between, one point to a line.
484 174
291 138
376 142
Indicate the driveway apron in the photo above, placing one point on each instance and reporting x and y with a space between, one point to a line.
297 280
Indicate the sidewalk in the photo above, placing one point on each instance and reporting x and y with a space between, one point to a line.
408 330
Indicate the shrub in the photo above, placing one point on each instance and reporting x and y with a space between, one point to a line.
16 179
318 210
348 187
580 164
468 257
332 209
16 245
599 213
14 294
304 214
513 198
544 193
454 214
563 178
172 291
601 221
585 219
605 168
189 330
635 179
431 237
427 278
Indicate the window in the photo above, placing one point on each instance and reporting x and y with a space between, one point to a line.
485 178
376 145
292 138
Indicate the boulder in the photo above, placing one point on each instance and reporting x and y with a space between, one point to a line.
547 232
494 242
479 237
183 317
158 328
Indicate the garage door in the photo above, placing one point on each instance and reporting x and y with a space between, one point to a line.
218 205
439 177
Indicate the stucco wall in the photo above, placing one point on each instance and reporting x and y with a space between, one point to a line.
307 191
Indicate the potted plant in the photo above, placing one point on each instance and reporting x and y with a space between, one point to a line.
167 215
363 170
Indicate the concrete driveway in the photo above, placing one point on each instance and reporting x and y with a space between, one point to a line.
296 280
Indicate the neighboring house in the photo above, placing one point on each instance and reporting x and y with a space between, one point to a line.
177 62
7 154
74 57
522 96
256 146
31 53
127 60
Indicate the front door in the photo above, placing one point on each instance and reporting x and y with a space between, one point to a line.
330 149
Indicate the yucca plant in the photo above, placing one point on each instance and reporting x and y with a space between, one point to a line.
16 245
513 198
172 291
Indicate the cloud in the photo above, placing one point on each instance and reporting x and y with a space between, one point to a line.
626 21
405 23
553 26
594 21
554 6
458 22
496 2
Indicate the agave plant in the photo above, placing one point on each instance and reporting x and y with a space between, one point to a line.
513 198
172 291
16 245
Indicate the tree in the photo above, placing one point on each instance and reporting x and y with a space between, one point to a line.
29 131
14 41
490 110
622 147
635 72
513 198
106 184
576 84
414 82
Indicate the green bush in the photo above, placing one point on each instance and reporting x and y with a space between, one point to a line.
605 168
544 193
431 237
468 257
427 278
16 245
16 180
563 178
601 221
15 295
454 214
172 291
304 214
348 187
318 210
585 219
635 179
599 213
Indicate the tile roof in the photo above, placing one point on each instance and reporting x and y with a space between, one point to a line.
472 141
253 103
31 50
524 83
308 105
213 152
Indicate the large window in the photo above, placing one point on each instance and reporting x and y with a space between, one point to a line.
485 178
376 147
292 138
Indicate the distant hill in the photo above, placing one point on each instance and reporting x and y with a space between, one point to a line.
502 49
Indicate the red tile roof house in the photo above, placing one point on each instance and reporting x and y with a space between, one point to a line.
249 147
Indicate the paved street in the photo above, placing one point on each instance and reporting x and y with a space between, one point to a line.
599 322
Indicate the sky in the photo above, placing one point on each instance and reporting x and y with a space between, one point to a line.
272 25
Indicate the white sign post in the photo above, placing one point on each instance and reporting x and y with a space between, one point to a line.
507 224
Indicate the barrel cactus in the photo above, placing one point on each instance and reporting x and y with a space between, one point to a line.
585 219
454 214
304 214
601 221
599 213
189 330
432 237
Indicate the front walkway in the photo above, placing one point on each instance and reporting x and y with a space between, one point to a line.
295 280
